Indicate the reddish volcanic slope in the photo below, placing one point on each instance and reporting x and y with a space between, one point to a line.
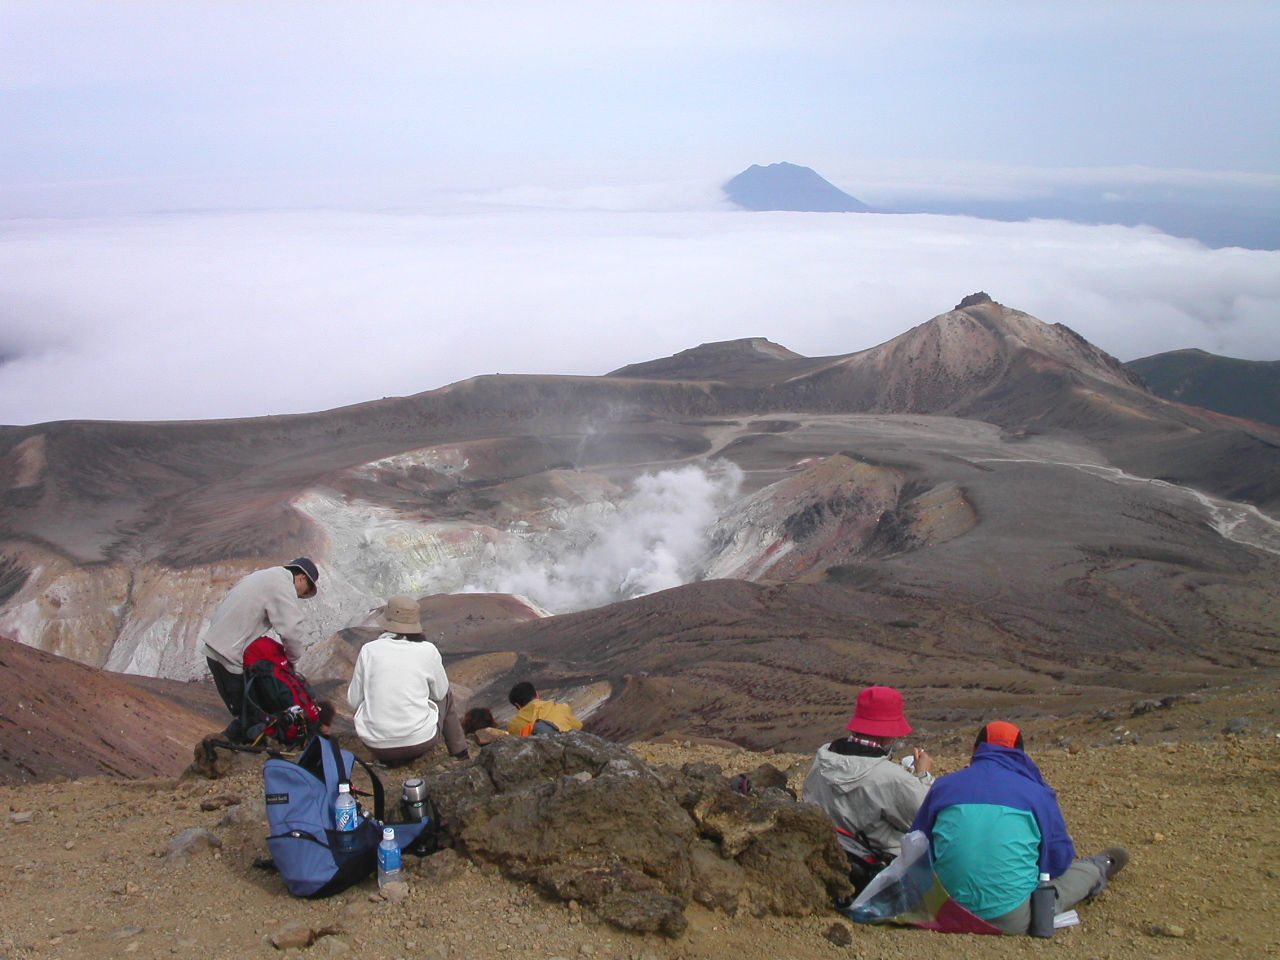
61 718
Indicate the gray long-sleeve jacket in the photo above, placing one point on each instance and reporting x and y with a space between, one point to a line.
874 795
262 601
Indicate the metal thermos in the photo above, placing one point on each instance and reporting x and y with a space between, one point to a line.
1043 898
413 800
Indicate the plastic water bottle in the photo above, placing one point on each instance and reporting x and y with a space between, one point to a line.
1043 901
388 858
346 816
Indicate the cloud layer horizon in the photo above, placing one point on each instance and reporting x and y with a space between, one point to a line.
232 314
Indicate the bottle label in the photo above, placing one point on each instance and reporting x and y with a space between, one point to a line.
388 858
345 817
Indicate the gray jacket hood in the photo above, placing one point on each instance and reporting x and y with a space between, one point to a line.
843 772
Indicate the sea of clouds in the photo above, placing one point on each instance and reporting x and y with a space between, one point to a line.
226 314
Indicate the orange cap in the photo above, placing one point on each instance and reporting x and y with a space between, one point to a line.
1003 734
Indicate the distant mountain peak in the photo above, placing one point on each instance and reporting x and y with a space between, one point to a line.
710 360
788 186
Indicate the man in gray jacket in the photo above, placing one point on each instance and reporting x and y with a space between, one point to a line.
870 797
262 601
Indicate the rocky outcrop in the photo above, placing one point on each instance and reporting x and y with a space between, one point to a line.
837 510
584 819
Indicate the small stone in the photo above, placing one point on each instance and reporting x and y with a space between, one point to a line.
586 950
1158 837
296 936
1237 725
124 933
250 813
1166 930
839 934
188 843
394 892
217 803
26 816
69 845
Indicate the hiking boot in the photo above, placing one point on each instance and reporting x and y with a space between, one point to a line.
1116 859
235 733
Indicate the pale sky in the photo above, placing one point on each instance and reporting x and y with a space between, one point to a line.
231 208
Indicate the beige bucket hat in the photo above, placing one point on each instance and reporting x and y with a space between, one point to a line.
400 615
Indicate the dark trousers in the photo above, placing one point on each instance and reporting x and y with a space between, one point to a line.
230 688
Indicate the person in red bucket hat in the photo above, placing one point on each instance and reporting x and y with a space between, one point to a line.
869 797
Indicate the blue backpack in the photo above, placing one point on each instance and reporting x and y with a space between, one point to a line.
315 859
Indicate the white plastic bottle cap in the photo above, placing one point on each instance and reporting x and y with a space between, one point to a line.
344 788
388 833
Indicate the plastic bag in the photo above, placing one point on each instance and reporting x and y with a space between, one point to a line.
908 892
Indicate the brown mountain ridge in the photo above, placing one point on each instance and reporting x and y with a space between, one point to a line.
987 511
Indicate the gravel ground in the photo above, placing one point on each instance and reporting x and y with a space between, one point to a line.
82 874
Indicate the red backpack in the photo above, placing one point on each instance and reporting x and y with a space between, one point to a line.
278 704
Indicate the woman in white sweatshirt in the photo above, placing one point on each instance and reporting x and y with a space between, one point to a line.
400 692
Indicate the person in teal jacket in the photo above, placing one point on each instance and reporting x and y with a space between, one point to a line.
995 826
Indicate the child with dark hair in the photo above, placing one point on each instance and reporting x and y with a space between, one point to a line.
477 718
480 724
539 716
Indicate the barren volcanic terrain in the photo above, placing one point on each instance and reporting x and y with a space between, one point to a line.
84 871
986 511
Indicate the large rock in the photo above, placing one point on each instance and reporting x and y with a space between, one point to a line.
585 819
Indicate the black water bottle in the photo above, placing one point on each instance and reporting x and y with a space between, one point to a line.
1043 899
